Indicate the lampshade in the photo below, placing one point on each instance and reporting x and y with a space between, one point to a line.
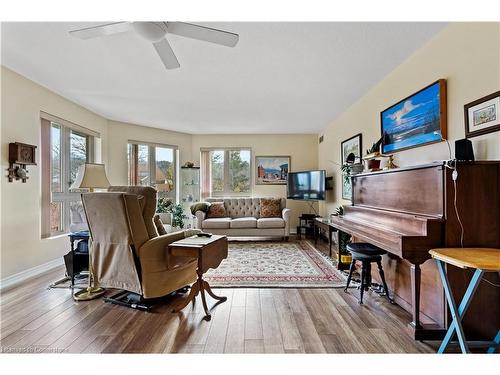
91 176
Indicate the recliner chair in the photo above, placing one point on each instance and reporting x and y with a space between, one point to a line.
126 251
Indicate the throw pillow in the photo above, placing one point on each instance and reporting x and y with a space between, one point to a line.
270 207
216 209
159 225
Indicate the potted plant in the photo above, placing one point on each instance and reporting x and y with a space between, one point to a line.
178 215
372 163
162 209
343 239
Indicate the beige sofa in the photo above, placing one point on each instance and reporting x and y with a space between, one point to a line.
243 219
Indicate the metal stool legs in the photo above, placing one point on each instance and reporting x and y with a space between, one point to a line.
364 279
382 276
351 270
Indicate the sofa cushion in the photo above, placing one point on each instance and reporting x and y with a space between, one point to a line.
270 222
216 223
270 207
216 210
244 222
242 207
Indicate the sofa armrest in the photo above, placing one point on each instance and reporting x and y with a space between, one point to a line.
286 216
200 216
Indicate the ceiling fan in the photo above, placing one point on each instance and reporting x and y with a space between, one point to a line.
156 32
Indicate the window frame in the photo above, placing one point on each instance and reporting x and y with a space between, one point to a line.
227 192
65 197
133 172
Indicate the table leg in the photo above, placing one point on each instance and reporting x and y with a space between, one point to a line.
211 293
330 240
457 314
493 348
195 289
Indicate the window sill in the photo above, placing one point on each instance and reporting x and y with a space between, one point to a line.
55 236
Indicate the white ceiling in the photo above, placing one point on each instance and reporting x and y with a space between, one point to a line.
280 77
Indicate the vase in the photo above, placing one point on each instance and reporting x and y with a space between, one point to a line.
373 164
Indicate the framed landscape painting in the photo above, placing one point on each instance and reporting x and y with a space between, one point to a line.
482 116
272 170
417 120
352 145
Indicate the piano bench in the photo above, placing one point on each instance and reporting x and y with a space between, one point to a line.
365 248
366 254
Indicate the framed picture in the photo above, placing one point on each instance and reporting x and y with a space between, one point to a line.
271 170
482 116
417 120
346 188
352 145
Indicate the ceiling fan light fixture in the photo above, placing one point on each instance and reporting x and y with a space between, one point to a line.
151 31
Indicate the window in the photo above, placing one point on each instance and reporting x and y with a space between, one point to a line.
226 172
153 165
65 147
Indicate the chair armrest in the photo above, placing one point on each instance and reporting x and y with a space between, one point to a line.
286 216
154 255
200 216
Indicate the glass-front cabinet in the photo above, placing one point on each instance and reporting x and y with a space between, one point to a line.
190 191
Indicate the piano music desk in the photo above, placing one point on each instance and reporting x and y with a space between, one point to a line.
482 260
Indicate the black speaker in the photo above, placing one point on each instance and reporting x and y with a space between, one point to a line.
464 150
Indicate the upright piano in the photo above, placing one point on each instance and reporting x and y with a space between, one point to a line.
407 212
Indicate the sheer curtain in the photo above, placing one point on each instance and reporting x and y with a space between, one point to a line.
205 174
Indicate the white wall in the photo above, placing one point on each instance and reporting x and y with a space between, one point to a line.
21 102
467 55
303 149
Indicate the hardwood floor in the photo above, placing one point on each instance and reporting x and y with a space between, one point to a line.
35 319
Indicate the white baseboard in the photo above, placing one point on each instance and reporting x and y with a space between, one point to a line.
29 273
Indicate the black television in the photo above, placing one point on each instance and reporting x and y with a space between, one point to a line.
306 185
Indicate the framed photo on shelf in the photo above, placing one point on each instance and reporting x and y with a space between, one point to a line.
419 119
482 116
271 170
352 145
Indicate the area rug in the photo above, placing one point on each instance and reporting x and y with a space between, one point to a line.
275 265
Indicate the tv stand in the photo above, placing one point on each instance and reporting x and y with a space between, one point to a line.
306 222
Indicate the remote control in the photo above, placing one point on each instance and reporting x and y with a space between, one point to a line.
203 234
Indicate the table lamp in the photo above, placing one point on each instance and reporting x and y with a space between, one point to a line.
90 176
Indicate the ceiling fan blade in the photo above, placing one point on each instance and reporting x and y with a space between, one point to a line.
101 30
207 34
166 54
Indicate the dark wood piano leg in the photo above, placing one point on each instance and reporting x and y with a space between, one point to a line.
415 296
417 330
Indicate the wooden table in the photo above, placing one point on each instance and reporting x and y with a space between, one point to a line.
210 251
482 260
321 223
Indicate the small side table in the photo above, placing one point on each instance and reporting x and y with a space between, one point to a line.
306 222
210 252
76 261
482 260
324 224
79 259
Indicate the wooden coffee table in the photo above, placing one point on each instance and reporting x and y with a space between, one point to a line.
210 252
